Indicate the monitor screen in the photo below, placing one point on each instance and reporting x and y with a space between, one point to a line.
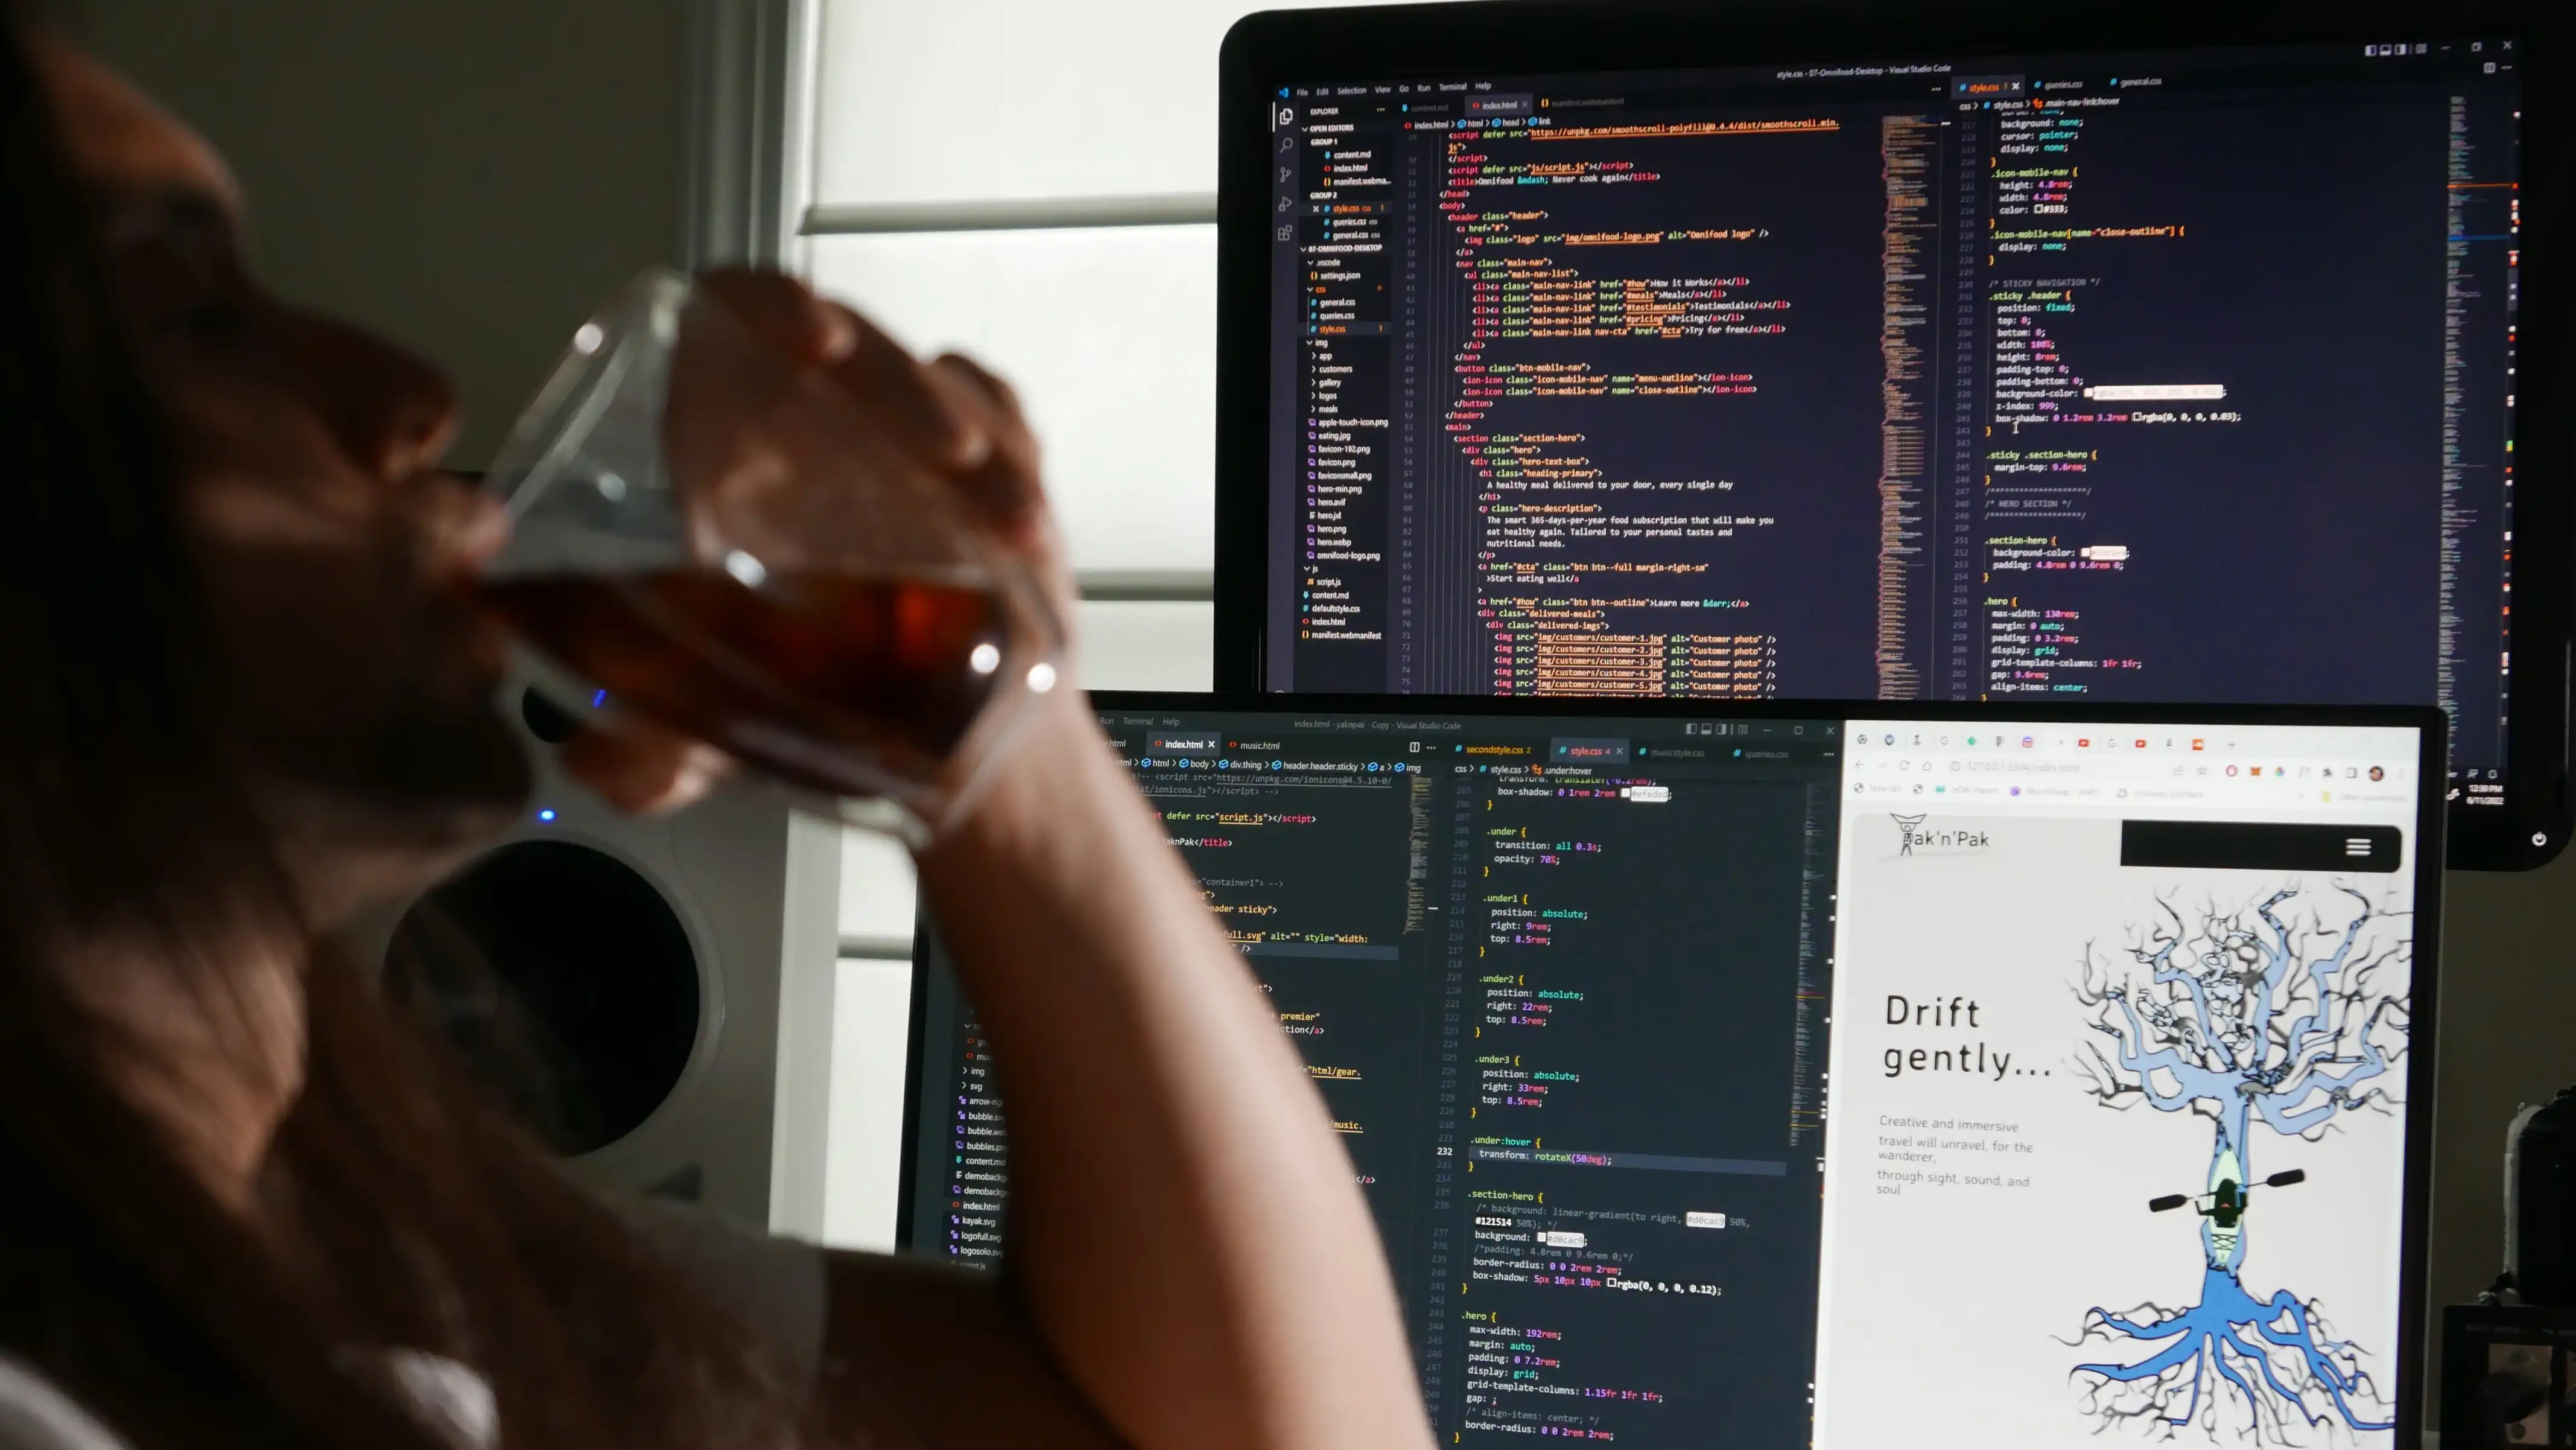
1976 1077
2100 374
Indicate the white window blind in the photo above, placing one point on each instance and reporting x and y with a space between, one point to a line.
1110 337
985 100
985 175
1033 182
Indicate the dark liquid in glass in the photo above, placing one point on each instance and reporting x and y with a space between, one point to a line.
805 677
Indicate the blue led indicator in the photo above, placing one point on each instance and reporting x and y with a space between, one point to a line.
598 698
547 814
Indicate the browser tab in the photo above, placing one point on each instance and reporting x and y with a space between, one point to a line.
1581 750
1989 88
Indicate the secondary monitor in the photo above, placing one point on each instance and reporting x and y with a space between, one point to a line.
2005 355
1949 1075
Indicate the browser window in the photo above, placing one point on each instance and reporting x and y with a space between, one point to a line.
2120 1029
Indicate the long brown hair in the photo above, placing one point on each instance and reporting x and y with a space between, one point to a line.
419 1218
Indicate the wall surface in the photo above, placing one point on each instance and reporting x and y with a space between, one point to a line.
2508 1003
470 175
465 176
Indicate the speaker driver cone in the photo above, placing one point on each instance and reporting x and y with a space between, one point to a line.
564 979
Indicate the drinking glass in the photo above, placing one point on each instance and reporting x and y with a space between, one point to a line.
709 536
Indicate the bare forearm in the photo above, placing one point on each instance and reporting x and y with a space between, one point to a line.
1185 1232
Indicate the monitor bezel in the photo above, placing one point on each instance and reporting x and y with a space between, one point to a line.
1267 50
2424 994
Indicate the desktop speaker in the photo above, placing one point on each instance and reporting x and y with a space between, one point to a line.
652 997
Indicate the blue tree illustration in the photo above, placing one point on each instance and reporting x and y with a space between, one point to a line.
2244 1018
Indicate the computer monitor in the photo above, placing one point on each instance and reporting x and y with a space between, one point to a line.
1944 1075
1996 353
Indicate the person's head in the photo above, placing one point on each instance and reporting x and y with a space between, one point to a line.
244 695
345 672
